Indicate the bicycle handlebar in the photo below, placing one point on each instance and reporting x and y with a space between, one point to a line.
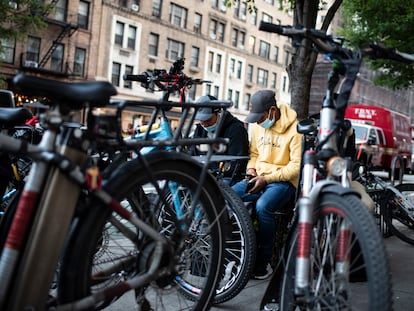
327 44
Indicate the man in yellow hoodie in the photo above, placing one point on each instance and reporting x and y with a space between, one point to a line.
273 168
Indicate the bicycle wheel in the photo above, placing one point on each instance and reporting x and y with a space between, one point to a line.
398 215
191 267
366 286
240 248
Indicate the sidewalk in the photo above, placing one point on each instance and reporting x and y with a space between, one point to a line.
401 257
402 268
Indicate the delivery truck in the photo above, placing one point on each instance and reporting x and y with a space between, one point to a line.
383 137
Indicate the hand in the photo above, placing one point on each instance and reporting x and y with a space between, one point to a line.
259 184
251 171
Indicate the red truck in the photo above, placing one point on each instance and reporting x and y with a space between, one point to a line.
382 135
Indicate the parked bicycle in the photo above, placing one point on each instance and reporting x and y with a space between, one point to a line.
335 238
61 214
240 248
394 205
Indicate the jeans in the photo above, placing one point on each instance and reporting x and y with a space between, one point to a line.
270 199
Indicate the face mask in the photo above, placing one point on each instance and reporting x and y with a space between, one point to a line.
267 123
211 128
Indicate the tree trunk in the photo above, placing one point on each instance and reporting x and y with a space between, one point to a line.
303 56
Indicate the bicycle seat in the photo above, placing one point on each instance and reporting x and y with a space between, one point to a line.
10 117
70 95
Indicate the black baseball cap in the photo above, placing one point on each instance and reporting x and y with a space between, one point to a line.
260 101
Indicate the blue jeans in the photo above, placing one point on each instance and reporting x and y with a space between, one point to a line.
272 198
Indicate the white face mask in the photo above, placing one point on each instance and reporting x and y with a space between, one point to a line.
211 128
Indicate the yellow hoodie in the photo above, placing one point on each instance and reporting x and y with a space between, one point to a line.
276 152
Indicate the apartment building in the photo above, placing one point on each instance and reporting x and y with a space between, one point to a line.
105 39
220 44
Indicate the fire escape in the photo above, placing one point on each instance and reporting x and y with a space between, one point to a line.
67 30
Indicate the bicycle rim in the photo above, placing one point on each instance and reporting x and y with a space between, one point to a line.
191 268
240 248
367 286
397 213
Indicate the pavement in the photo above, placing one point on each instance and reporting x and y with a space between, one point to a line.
401 257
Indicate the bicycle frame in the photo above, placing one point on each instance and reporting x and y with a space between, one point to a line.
48 202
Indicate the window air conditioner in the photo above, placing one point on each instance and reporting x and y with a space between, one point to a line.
135 7
31 63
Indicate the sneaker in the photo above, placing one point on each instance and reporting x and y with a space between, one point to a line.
271 306
262 272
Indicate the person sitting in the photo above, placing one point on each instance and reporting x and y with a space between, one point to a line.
274 165
231 128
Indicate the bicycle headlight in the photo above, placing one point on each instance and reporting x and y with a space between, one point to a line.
336 166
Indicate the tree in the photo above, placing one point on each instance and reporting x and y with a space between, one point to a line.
387 22
305 13
20 17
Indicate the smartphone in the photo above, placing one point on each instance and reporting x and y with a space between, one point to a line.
250 185
248 176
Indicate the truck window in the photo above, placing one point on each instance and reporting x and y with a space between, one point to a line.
360 132
373 136
380 137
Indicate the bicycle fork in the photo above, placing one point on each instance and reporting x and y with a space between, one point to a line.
305 230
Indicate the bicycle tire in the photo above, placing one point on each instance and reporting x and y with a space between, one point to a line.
368 261
239 250
397 220
75 276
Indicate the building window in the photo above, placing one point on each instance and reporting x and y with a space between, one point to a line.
119 33
267 18
116 73
262 76
79 62
153 44
236 99
195 54
274 78
192 91
237 38
216 30
210 61
254 17
229 94
208 89
156 8
287 58
56 59
61 8
232 67
175 50
7 47
33 49
234 33
272 2
218 63
240 9
178 16
252 44
83 15
276 54
264 49
285 86
247 101
216 91
249 74
123 3
239 69
128 71
132 35
198 18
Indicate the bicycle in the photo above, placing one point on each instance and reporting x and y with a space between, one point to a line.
394 205
334 238
240 248
65 205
